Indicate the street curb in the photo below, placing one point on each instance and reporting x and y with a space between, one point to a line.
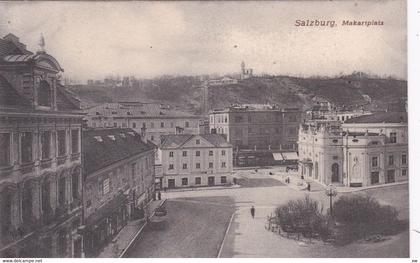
137 234
370 187
226 232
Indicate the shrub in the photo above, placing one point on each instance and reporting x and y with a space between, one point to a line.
362 215
303 216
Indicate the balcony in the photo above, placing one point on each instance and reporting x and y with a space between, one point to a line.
61 159
6 170
27 167
74 157
46 163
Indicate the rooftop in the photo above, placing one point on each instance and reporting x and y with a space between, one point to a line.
380 117
255 107
137 109
104 147
178 140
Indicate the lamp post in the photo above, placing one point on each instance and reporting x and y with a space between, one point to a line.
331 191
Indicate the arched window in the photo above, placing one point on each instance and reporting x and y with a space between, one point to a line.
335 173
44 94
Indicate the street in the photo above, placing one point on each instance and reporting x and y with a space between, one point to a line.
200 218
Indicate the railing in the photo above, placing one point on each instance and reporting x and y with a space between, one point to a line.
74 157
27 167
46 163
61 159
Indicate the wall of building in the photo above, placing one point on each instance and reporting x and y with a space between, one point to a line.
260 129
217 164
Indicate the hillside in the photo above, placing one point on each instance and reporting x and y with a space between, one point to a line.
186 93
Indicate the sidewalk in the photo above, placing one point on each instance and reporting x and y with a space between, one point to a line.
200 188
298 184
120 243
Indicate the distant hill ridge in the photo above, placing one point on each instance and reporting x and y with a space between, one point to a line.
186 93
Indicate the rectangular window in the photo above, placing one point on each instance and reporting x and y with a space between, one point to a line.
223 179
210 153
61 137
198 180
171 154
223 152
197 165
105 186
211 165
223 165
404 172
184 153
75 141
374 177
152 125
197 153
171 166
133 171
393 137
375 161
115 124
187 124
162 125
404 159
26 147
390 176
184 181
197 141
45 145
144 125
134 125
4 149
184 166
75 185
391 160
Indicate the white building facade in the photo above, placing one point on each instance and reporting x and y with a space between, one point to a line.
196 160
363 151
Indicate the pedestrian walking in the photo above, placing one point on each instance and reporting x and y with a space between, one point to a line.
309 187
159 196
253 212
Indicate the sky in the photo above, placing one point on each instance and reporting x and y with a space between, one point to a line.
148 39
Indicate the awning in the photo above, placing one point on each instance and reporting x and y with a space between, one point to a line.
277 157
106 210
290 155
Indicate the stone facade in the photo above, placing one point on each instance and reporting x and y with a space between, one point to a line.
356 153
118 187
40 163
153 120
257 126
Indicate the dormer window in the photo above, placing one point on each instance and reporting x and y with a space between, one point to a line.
44 94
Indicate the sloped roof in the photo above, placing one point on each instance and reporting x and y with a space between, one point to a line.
8 47
138 110
98 155
177 140
65 99
10 97
380 117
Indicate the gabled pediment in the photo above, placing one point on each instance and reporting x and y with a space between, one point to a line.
191 143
